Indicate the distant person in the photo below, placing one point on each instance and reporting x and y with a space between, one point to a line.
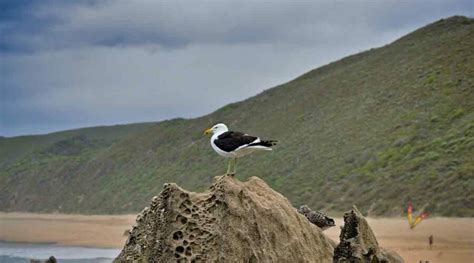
431 241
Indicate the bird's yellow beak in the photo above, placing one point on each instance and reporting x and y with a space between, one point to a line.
208 131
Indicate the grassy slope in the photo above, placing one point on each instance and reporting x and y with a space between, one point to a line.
377 129
15 148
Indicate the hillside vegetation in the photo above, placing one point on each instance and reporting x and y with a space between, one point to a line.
377 129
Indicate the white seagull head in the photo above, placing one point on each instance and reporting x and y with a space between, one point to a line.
217 129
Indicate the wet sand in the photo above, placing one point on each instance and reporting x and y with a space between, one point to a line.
453 237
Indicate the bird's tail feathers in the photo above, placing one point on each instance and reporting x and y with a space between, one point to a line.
264 143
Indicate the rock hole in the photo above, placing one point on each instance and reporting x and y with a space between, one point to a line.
179 249
211 199
177 255
185 242
177 235
187 211
181 219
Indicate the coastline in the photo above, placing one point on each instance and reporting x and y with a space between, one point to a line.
453 237
95 231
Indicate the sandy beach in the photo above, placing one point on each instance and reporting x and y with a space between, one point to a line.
453 237
78 230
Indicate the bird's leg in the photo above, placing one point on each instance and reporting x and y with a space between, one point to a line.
228 167
235 167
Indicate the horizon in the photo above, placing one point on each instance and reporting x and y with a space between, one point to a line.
112 77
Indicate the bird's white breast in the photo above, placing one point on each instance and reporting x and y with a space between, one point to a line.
219 151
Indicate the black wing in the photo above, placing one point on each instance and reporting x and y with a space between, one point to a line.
229 141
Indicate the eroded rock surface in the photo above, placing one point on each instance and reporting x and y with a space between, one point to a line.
231 222
358 242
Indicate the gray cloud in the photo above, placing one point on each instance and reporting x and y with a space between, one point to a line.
180 23
127 61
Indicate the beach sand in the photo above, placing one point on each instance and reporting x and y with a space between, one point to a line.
78 230
453 237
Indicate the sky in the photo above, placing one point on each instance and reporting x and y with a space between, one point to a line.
71 64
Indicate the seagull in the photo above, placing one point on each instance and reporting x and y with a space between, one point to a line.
233 145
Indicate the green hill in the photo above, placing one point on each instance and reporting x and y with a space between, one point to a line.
378 129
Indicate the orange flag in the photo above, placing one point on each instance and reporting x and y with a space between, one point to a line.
410 214
418 219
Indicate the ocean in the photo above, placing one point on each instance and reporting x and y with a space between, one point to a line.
20 252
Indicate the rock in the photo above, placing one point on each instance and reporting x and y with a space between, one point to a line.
358 242
49 260
231 222
126 232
